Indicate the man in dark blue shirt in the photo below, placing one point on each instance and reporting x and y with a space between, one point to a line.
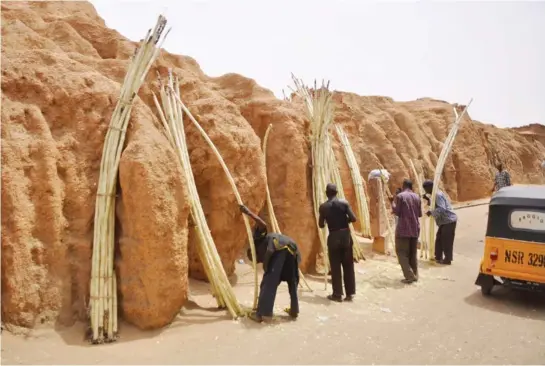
280 257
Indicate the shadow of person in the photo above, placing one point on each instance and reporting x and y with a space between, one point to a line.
523 304
310 298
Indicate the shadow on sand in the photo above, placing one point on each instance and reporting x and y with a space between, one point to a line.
190 314
523 304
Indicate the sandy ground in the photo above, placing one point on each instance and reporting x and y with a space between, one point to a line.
443 319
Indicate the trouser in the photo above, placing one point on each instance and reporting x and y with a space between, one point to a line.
444 242
339 246
406 255
282 267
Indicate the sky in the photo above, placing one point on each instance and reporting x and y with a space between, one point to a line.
493 52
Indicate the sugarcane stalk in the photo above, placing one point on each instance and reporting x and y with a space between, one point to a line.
336 179
103 289
270 208
233 187
447 146
359 187
171 115
319 109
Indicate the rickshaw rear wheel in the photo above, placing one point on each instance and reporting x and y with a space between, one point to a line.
487 283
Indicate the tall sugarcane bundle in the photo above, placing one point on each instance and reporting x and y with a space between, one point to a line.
270 208
336 179
171 114
423 232
103 289
447 146
361 198
231 182
319 108
390 233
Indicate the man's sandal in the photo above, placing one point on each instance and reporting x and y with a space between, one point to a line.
292 315
255 317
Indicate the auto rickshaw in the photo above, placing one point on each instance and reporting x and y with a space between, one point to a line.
514 247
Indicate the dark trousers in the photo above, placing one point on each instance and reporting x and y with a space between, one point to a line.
406 255
339 246
282 267
444 242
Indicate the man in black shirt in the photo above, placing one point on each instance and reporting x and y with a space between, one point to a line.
280 257
338 214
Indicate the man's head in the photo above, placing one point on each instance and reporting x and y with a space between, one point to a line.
499 166
260 234
407 184
330 190
428 185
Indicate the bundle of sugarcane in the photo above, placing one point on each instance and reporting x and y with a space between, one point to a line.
447 146
171 114
319 108
389 236
233 187
272 217
361 198
336 179
423 232
103 289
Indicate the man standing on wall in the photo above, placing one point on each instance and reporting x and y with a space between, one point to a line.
502 179
446 219
338 214
407 208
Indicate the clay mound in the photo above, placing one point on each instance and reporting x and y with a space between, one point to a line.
533 132
61 74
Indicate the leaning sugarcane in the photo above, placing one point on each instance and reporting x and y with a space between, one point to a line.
103 290
319 109
171 115
359 187
272 216
447 146
233 187
336 179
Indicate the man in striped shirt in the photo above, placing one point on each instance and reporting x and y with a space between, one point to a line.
502 179
407 209
446 219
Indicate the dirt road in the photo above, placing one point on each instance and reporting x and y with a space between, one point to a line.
443 319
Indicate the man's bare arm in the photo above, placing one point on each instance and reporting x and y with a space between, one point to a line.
350 213
257 219
321 218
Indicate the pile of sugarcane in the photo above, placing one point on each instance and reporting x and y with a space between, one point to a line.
447 146
390 230
171 115
359 187
423 231
336 179
203 133
272 217
103 289
319 108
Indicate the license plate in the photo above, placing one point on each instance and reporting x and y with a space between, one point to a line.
530 259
